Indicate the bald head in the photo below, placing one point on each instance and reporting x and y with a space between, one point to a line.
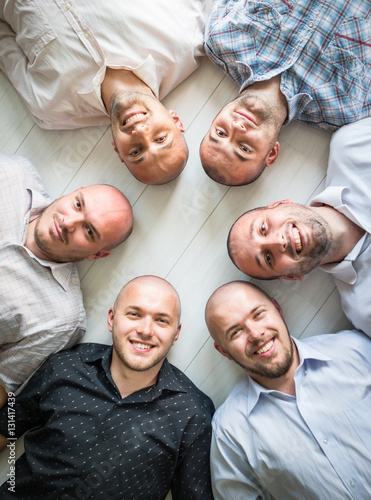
224 299
152 285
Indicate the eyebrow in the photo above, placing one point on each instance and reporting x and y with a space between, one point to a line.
92 227
239 155
139 309
162 147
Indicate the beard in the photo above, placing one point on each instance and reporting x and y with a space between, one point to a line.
272 372
322 238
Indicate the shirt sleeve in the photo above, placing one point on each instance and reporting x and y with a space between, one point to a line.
231 474
16 363
192 475
27 405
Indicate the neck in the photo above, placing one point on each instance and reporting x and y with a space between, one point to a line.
345 233
121 79
270 90
129 381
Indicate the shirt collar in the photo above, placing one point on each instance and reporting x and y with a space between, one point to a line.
166 379
255 390
344 270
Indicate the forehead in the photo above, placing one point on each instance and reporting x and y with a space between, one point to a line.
150 296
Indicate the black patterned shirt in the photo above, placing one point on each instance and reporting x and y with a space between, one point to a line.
92 444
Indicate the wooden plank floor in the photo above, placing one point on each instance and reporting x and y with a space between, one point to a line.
181 228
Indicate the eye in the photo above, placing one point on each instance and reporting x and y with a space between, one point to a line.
89 231
134 152
220 132
163 321
235 333
258 314
263 228
133 314
245 149
161 139
268 259
78 203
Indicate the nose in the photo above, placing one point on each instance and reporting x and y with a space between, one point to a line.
70 222
142 129
145 327
254 330
276 241
238 125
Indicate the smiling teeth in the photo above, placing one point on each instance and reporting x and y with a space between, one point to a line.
265 348
131 118
297 240
142 346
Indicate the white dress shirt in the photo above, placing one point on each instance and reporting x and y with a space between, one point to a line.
41 309
55 52
348 190
315 446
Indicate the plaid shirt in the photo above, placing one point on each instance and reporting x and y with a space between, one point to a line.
321 48
41 310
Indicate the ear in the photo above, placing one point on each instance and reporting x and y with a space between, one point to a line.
98 255
277 306
220 349
176 119
177 333
272 155
110 318
276 203
117 151
296 278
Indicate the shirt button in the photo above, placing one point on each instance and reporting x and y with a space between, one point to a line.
105 437
67 6
352 483
325 441
266 10
349 58
86 35
311 24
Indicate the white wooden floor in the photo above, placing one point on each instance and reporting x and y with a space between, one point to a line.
181 228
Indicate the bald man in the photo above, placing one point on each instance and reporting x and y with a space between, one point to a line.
116 421
41 307
297 426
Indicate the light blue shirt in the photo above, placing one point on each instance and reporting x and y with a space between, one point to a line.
315 446
348 190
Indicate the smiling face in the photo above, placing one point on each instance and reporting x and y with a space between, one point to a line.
286 240
248 328
144 323
82 225
147 137
241 141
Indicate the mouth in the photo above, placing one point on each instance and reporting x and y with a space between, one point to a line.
141 346
247 116
297 240
267 349
57 232
132 118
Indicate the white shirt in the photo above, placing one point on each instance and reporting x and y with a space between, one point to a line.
56 52
348 190
41 309
315 446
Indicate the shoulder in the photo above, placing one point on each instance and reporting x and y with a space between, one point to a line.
200 399
347 345
234 411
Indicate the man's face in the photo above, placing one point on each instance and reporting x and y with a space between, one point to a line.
144 325
248 329
241 141
147 137
287 240
81 225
